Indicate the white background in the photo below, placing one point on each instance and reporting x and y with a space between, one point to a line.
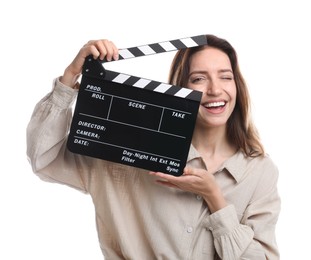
39 39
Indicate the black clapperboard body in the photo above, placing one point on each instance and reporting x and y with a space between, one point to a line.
135 121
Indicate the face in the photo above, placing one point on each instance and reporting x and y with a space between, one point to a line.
211 73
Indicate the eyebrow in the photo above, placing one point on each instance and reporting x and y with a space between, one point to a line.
226 70
204 72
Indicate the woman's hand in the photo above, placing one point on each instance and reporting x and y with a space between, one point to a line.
197 181
99 49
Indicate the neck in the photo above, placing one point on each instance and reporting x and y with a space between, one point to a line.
213 142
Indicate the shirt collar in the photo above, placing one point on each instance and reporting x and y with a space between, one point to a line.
236 165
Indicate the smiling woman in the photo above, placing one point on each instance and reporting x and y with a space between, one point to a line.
214 70
222 197
215 80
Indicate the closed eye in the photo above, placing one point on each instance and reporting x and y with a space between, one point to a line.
226 74
227 77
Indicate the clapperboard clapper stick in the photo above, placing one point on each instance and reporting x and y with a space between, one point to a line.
132 120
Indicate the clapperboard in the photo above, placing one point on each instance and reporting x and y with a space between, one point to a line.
132 120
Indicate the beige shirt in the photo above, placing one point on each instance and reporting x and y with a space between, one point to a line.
139 219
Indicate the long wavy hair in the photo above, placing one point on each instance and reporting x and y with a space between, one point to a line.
240 127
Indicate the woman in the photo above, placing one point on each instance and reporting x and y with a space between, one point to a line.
224 206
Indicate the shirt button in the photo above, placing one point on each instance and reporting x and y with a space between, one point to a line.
189 229
199 197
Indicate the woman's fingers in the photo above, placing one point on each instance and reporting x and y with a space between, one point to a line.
102 49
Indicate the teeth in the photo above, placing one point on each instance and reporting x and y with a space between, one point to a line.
215 104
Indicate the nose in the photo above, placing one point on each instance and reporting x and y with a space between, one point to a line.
213 88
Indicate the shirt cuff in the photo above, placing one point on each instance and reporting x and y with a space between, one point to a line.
62 95
223 221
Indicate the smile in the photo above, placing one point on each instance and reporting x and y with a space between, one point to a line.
215 107
215 104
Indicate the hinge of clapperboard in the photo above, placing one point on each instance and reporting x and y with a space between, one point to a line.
95 68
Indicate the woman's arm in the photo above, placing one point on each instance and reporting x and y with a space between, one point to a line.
251 238
49 125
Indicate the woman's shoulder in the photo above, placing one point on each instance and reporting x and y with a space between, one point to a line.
260 165
265 161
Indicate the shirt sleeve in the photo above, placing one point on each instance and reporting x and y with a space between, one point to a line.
46 138
254 236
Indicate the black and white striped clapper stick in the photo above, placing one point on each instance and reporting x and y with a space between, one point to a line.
166 46
151 49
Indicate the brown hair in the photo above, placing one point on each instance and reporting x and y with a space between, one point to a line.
240 127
